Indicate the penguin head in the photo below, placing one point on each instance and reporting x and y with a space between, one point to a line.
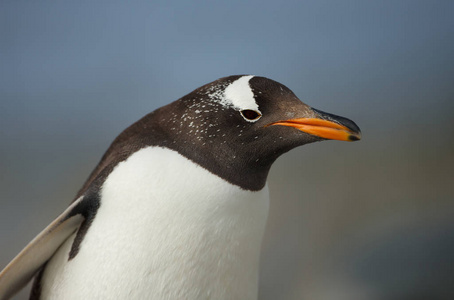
239 125
235 127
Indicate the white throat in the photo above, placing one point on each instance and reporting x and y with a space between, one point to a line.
166 229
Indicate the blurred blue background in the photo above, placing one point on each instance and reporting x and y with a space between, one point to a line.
366 220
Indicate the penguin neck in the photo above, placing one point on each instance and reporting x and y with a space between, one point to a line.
238 168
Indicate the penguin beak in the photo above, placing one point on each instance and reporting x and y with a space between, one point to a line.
325 125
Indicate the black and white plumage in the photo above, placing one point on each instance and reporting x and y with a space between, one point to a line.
176 208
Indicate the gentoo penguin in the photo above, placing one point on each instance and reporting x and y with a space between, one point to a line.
177 206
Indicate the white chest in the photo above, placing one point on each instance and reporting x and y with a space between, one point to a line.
166 229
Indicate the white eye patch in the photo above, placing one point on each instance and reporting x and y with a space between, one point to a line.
239 95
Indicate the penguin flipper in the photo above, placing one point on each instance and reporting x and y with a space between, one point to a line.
24 266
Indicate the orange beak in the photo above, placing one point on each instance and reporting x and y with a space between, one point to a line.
334 129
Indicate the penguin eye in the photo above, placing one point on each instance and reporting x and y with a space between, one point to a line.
250 115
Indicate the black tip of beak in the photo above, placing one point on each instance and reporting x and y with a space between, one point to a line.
353 138
342 121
